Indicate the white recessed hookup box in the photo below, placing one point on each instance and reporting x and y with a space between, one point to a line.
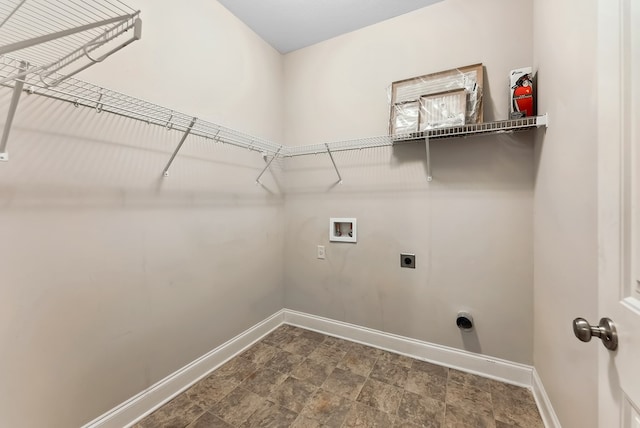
342 229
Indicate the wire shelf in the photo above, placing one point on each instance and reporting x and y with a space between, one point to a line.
64 36
86 94
497 127
339 146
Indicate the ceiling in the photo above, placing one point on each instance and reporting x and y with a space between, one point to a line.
288 25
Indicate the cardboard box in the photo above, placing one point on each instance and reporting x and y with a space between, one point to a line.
522 93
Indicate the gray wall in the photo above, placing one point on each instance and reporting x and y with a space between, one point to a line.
565 210
471 228
114 277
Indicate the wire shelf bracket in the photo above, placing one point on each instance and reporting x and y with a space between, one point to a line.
428 153
334 164
165 173
13 106
268 164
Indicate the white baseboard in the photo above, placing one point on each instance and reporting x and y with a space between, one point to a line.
495 368
134 409
152 398
544 404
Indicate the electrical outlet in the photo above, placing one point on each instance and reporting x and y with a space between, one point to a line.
321 253
408 261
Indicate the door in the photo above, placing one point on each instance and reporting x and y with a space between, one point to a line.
619 208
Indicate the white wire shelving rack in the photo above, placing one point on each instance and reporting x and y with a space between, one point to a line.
44 43
497 127
462 131
84 94
50 41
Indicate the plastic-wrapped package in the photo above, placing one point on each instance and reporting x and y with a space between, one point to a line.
405 117
443 109
440 99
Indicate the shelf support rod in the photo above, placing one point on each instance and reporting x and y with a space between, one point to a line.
334 164
15 98
268 165
175 152
426 146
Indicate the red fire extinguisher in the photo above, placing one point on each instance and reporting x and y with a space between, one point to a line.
523 95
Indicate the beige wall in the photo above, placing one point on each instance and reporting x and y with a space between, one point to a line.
113 277
565 240
471 228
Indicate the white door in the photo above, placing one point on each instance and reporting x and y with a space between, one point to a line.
619 208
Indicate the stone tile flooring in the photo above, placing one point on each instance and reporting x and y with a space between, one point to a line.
302 379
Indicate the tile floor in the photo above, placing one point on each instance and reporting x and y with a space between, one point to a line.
302 379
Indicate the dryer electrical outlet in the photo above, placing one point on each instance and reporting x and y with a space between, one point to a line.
408 260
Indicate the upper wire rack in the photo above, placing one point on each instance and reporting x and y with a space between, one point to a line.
81 93
49 36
